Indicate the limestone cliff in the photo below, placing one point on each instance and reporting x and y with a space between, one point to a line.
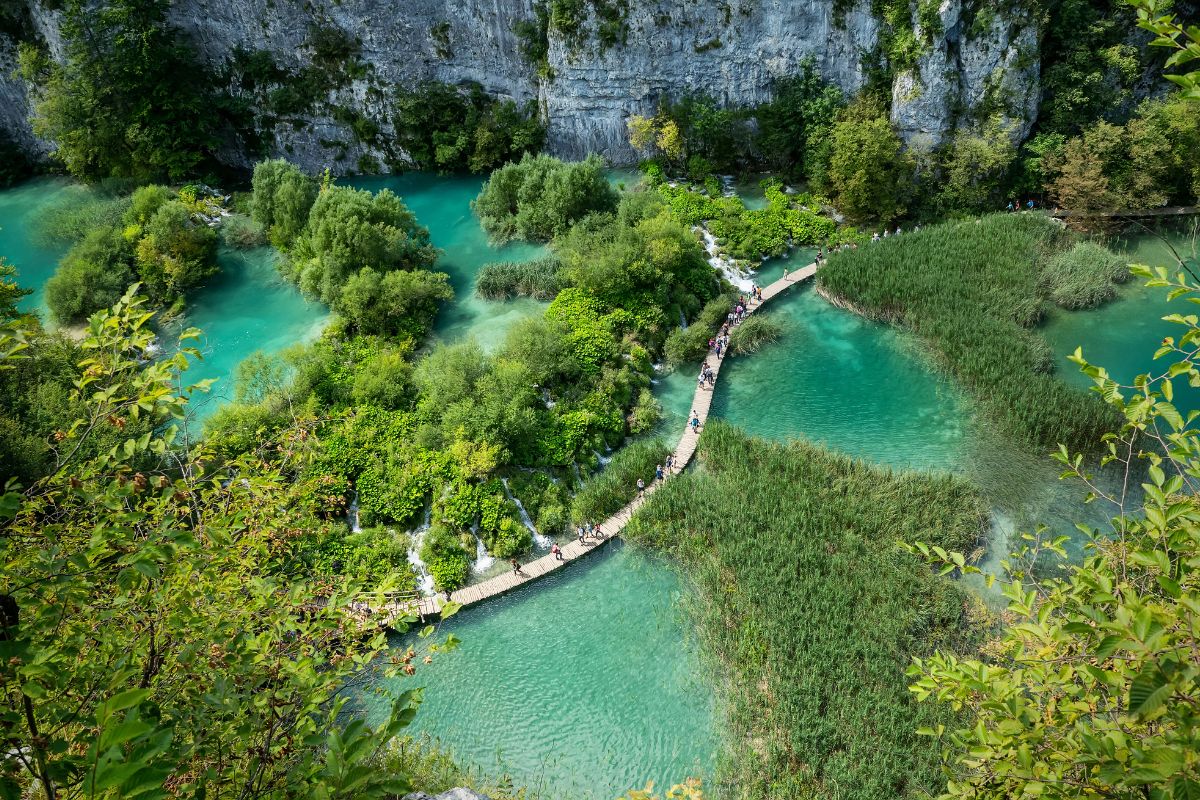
730 49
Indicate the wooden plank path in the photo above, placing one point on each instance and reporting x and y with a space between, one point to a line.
430 607
1133 213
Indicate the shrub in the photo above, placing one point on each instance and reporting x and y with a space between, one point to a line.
92 276
80 211
754 333
449 571
501 280
1084 276
540 197
242 232
396 302
687 345
283 196
176 252
606 493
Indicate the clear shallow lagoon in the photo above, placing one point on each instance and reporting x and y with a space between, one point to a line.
583 685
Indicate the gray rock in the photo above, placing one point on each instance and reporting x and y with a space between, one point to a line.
454 794
733 50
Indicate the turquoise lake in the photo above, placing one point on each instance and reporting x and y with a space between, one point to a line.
587 684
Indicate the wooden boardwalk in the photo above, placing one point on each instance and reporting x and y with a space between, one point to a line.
430 607
1131 213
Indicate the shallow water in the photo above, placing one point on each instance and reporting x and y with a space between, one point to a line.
442 203
34 259
583 685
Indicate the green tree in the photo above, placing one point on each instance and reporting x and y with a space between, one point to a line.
92 276
976 167
393 302
150 649
540 197
176 251
283 197
869 171
130 100
350 229
795 127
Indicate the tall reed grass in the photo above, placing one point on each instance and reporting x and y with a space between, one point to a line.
604 494
755 333
974 291
812 613
502 280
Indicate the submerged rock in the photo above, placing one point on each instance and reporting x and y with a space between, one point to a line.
458 793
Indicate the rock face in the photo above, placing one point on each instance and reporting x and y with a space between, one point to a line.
730 49
454 794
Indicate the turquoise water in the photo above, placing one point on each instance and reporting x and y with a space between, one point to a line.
442 203
247 307
35 260
582 686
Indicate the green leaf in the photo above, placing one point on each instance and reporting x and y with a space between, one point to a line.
1148 691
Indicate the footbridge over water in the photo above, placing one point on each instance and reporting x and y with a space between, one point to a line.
426 608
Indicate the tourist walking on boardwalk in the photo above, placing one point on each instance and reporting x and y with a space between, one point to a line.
785 273
695 421
658 473
556 551
641 487
516 565
579 531
670 463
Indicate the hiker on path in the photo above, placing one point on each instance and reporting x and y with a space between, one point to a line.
658 473
556 551
695 422
516 565
641 487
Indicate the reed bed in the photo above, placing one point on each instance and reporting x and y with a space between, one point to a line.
812 613
974 291
606 492
754 334
502 280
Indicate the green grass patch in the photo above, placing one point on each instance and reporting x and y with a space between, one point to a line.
812 612
605 493
540 279
755 333
974 292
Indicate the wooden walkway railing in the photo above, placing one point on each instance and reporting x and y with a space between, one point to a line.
428 607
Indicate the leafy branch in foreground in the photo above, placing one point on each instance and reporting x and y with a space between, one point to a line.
1093 689
149 646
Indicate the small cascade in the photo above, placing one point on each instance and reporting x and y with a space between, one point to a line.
424 579
539 541
727 268
727 189
601 458
352 515
483 559
682 320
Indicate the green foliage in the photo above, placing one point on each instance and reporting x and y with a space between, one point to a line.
92 276
541 197
1083 276
175 251
434 771
689 345
1091 690
173 559
283 197
794 128
975 169
396 302
369 557
607 492
242 232
811 613
870 172
754 334
443 127
972 290
1145 163
130 100
503 280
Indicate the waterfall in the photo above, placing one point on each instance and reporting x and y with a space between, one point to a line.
352 514
424 579
539 541
483 560
727 268
682 320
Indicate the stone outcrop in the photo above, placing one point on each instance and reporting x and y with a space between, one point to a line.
454 794
731 49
